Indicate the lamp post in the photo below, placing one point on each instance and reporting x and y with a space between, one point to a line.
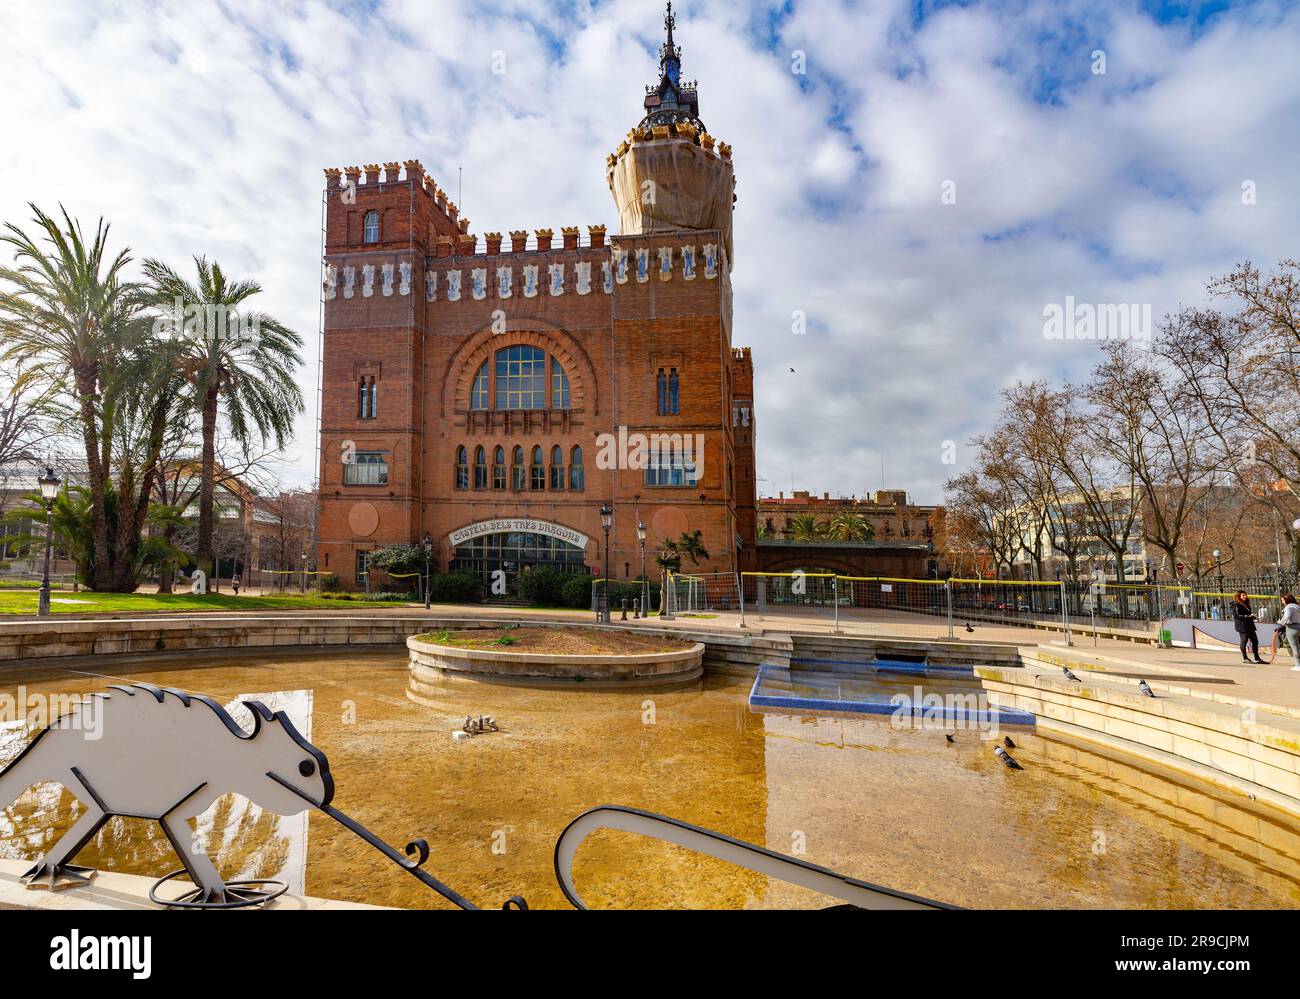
49 483
645 583
304 574
606 521
427 545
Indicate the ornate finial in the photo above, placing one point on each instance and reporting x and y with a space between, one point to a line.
670 56
671 100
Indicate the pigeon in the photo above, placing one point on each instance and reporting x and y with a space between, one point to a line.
948 736
968 627
1006 758
1006 741
1069 675
1146 688
792 371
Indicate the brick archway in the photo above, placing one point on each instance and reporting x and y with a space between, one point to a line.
465 363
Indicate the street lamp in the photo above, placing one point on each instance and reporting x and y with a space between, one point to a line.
304 574
645 583
49 483
606 521
427 545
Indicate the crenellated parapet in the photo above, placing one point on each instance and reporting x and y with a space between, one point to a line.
361 186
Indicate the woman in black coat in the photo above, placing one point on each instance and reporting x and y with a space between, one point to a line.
1243 619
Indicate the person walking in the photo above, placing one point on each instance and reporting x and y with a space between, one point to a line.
1289 622
1243 620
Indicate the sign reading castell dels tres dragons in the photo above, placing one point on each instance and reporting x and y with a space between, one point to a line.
522 525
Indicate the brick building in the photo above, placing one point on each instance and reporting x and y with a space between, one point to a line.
493 393
888 514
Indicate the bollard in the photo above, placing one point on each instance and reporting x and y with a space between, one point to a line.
624 602
636 608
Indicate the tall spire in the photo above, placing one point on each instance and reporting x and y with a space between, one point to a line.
671 99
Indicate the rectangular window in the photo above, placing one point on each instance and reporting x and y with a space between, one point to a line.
363 564
537 477
557 476
670 472
368 468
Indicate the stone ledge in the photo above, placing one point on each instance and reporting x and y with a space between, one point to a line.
1259 754
111 890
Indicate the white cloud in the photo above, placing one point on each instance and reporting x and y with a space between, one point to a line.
203 128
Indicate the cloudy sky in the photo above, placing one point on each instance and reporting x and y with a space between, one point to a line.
199 127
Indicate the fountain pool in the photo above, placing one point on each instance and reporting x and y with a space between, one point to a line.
897 807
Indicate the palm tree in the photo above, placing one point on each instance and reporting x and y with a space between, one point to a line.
805 527
241 368
849 526
691 546
70 317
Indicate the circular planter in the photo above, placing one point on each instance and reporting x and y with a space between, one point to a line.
679 667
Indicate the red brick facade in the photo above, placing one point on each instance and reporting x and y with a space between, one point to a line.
414 311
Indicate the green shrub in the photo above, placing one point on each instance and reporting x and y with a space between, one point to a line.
329 583
543 586
389 595
454 587
576 591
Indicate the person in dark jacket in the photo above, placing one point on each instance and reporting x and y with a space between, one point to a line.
1243 619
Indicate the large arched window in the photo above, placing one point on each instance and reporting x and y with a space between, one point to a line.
480 468
537 470
478 396
371 234
521 377
557 467
462 468
576 476
499 468
517 471
559 386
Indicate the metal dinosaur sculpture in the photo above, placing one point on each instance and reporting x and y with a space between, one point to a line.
167 755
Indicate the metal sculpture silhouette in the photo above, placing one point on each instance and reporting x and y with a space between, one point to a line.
167 755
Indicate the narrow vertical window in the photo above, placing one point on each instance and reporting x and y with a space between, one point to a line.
462 468
537 470
674 406
661 393
575 469
517 470
557 468
361 399
372 227
480 468
499 468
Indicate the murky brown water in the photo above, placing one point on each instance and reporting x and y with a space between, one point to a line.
900 808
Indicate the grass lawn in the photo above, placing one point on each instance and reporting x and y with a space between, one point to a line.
85 602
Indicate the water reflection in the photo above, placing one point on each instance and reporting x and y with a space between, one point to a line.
898 807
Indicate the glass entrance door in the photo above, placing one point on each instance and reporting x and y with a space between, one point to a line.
516 552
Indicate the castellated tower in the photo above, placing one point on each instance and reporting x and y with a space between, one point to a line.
484 394
670 173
